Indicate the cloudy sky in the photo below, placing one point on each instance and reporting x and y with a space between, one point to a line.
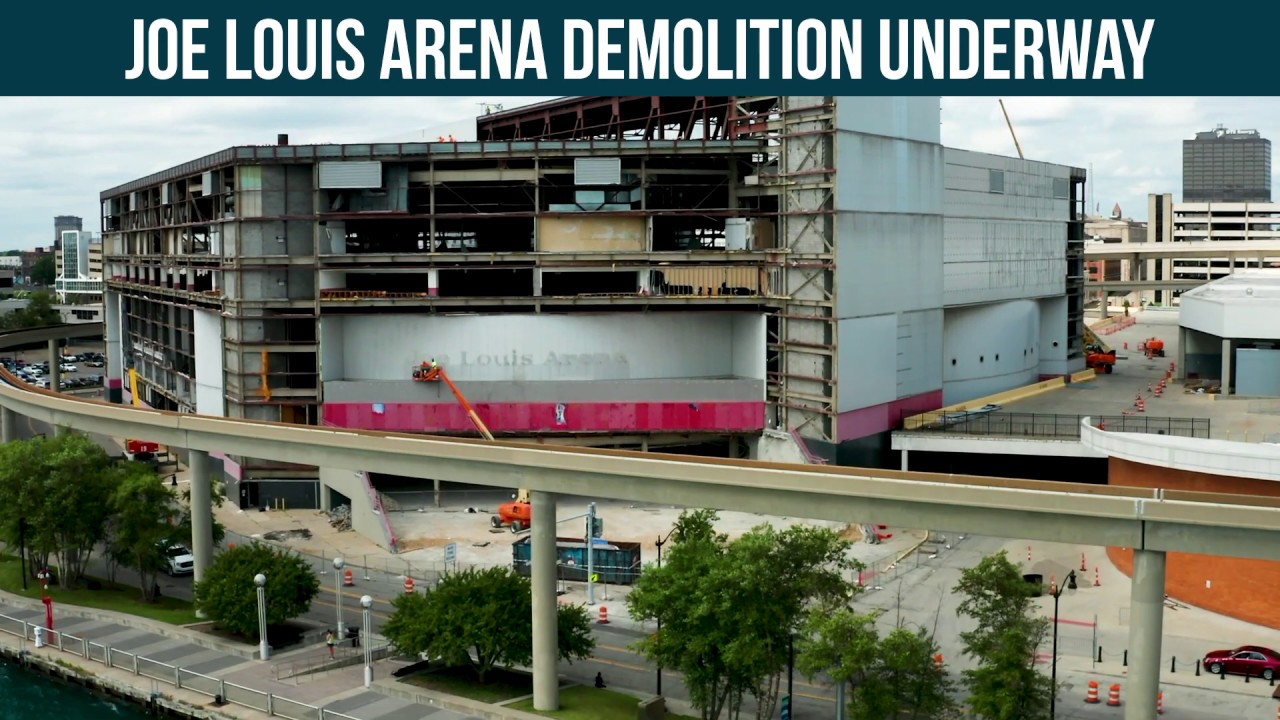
57 154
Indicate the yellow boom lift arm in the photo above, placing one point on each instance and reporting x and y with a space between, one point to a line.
432 372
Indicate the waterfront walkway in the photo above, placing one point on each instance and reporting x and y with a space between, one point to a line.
189 669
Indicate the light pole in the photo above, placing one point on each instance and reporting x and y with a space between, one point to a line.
263 649
337 594
366 602
1053 672
661 541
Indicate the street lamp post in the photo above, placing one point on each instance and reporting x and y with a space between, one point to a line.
260 580
1070 583
366 602
337 594
661 541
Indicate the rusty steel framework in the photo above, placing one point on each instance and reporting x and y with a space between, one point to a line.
795 178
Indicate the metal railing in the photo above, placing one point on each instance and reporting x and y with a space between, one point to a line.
1044 425
179 678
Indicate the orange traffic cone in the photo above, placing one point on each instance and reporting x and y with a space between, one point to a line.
1092 698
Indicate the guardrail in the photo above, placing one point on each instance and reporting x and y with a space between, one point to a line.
1041 425
180 678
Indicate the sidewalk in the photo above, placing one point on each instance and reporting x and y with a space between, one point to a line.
152 657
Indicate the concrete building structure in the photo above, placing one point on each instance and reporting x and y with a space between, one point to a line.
1154 526
65 223
78 264
1232 166
29 258
1228 222
1228 331
726 272
1110 229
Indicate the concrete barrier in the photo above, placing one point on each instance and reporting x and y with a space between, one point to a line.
1084 376
654 708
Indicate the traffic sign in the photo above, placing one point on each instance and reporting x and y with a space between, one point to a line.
451 553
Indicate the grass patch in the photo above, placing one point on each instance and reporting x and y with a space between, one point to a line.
587 703
120 598
499 685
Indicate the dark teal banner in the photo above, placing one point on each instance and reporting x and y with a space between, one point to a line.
397 48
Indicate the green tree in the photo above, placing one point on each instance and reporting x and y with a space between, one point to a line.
894 676
39 312
141 528
728 609
60 488
482 619
44 270
1006 685
227 592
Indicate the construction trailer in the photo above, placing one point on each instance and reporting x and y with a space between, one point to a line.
616 563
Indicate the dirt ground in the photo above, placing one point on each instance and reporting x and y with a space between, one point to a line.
429 529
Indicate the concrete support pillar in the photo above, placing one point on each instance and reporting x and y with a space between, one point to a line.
200 469
1227 372
734 441
1104 307
1183 335
55 369
546 654
437 491
905 462
8 425
1146 625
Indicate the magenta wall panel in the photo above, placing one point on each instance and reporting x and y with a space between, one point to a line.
551 417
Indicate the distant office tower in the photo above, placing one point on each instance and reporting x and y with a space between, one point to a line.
1226 166
65 223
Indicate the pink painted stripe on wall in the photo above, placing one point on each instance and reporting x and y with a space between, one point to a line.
882 418
115 383
542 417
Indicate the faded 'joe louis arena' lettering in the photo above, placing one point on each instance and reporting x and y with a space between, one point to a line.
519 359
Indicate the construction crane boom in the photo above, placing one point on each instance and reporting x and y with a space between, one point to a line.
1017 145
433 372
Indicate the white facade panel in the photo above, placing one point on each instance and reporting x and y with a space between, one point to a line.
1053 338
603 346
888 175
210 393
332 349
597 171
349 174
750 336
919 352
989 349
1207 316
888 263
1005 230
113 329
1257 372
912 118
868 362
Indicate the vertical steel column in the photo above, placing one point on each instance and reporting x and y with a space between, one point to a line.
8 425
546 655
199 469
1146 625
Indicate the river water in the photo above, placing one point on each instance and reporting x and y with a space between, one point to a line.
26 694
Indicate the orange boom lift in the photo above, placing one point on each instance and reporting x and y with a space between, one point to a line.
518 514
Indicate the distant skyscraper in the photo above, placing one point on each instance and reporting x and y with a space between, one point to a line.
1226 166
65 223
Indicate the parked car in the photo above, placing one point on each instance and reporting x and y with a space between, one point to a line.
1253 660
179 560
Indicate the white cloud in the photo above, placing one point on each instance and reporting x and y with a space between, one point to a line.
57 154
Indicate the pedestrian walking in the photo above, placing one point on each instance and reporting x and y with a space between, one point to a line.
330 640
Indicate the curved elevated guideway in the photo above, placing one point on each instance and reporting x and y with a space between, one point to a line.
1150 522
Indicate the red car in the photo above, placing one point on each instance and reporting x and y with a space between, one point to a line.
1245 660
